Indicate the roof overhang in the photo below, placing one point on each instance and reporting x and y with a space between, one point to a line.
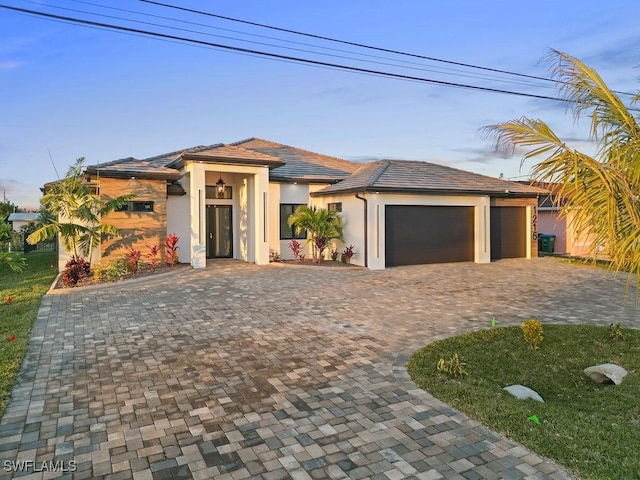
179 162
413 191
166 174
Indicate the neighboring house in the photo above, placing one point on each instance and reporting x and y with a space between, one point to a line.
234 201
552 222
19 220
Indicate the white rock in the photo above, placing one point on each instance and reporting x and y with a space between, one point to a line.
522 393
606 373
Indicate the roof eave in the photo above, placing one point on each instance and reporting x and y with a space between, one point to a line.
179 162
134 173
414 191
321 180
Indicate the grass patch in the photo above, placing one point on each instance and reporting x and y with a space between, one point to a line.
17 316
593 430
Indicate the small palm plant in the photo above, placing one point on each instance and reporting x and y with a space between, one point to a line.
75 214
322 224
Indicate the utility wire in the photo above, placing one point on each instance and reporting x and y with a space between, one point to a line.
274 55
387 63
355 44
435 69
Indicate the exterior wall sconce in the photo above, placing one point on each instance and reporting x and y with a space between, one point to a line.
220 185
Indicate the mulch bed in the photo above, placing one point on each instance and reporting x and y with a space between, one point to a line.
311 263
146 272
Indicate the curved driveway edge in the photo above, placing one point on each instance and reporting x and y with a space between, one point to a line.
243 371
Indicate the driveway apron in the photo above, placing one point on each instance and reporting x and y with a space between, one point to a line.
276 372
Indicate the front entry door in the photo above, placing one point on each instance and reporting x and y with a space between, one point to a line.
219 231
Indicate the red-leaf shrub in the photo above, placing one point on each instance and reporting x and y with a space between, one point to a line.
133 259
171 249
153 256
75 270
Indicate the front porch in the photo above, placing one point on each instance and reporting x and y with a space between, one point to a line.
223 213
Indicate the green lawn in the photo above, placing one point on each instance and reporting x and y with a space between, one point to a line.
593 430
17 316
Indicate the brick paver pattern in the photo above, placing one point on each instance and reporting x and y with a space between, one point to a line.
275 372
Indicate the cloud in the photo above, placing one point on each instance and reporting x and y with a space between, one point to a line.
622 53
24 195
10 65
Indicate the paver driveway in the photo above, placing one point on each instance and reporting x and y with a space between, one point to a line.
244 371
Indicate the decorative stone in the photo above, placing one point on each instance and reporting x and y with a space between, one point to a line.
606 373
522 393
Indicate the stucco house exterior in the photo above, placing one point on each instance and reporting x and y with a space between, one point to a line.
233 201
22 219
568 240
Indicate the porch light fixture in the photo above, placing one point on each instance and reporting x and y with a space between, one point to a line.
220 185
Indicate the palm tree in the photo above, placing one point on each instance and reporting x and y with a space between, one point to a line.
322 224
14 260
76 214
601 191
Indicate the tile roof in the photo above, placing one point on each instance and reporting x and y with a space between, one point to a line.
132 167
228 153
424 177
300 164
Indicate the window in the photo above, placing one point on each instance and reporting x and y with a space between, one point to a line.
289 232
334 207
136 207
211 193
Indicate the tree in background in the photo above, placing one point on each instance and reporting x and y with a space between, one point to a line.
323 226
602 192
7 208
74 214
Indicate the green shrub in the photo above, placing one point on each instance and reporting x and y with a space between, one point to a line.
454 366
532 331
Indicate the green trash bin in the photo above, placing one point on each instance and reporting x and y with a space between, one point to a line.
546 243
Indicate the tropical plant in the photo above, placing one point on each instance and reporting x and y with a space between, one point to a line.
296 249
171 249
134 259
75 214
75 270
322 224
153 256
13 260
600 191
348 253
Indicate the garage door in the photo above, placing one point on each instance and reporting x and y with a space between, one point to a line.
416 234
508 232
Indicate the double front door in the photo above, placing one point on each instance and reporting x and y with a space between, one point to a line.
219 231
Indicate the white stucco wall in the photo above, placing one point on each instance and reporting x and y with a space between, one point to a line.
353 214
249 200
288 193
353 218
178 222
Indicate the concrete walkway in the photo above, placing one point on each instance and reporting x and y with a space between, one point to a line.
276 372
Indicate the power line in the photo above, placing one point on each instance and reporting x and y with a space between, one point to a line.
361 45
432 69
345 42
274 55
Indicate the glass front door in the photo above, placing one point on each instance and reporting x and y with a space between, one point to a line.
219 231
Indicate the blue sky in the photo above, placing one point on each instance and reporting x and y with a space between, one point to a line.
86 92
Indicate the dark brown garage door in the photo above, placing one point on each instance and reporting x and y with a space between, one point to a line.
508 232
416 234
